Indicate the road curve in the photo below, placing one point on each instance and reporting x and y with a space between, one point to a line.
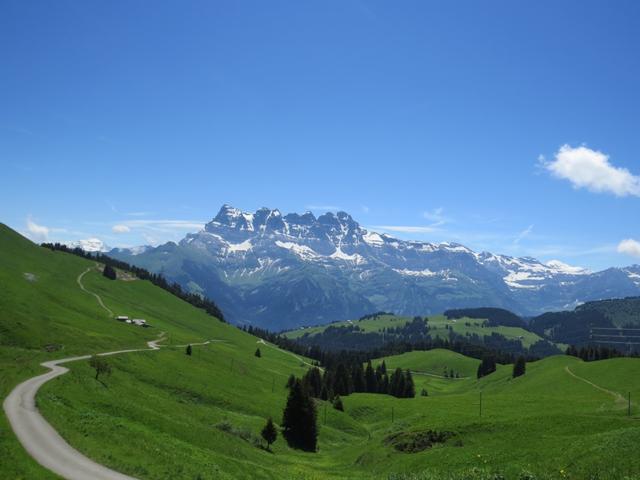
100 302
39 438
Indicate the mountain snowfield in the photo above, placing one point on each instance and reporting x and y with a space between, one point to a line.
283 271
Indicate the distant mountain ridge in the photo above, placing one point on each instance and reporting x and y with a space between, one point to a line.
282 271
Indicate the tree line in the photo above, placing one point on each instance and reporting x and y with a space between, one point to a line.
593 353
158 280
343 379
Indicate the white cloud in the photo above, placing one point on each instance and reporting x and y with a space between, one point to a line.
120 228
523 234
629 247
324 208
165 225
591 169
408 228
37 233
437 216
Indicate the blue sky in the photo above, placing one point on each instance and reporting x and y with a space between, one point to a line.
505 126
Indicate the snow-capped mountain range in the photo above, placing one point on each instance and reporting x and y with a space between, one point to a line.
282 271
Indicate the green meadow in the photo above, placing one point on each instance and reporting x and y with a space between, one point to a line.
163 414
439 326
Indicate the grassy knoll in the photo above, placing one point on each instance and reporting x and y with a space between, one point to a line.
434 362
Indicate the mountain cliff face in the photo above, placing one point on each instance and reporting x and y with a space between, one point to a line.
283 271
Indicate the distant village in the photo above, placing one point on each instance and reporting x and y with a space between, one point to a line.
139 322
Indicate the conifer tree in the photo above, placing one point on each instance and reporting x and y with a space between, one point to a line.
371 385
299 419
409 388
337 403
519 367
258 353
359 382
312 381
487 366
109 272
342 384
269 433
188 350
324 393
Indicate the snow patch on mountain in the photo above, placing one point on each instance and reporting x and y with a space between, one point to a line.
355 258
239 247
302 251
415 273
89 245
374 239
562 267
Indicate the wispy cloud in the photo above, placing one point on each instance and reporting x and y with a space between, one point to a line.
407 228
138 214
164 225
629 247
120 228
523 234
324 208
437 216
591 169
37 233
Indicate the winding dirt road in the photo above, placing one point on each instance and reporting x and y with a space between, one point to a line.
100 302
39 438
619 399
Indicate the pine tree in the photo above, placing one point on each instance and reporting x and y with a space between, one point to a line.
487 366
519 367
337 403
371 385
324 393
409 388
188 350
109 272
299 419
359 382
312 381
342 384
397 383
258 353
269 433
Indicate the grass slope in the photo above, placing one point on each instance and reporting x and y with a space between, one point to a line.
164 414
438 327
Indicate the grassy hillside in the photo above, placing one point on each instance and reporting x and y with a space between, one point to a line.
45 314
433 362
164 414
439 326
